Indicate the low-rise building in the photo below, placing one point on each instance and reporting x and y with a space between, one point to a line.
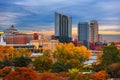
45 44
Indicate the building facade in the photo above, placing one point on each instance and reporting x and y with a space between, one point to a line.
63 27
84 33
100 38
10 30
94 31
16 39
45 44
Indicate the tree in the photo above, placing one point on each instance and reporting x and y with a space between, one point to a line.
42 63
74 63
67 51
21 61
110 55
21 73
6 52
49 76
47 53
114 70
22 52
59 67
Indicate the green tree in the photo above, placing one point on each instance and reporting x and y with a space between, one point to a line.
58 67
74 63
110 55
47 53
21 61
42 63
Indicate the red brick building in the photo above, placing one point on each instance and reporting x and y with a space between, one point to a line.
16 39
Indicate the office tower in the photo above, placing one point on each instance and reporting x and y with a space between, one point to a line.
84 33
63 27
100 38
94 31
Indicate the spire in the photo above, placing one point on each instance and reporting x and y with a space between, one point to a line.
12 27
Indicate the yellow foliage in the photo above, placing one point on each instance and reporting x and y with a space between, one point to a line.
99 57
66 51
7 52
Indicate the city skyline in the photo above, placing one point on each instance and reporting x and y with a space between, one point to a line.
38 15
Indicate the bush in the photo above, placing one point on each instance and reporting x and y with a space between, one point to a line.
42 63
82 76
5 71
21 73
73 73
63 74
101 75
48 76
58 67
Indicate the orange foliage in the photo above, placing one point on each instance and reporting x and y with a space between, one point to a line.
48 76
82 76
5 71
21 73
101 75
6 52
63 74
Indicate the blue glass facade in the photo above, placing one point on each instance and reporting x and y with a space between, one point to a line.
84 33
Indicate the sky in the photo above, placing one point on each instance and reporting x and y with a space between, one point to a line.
39 15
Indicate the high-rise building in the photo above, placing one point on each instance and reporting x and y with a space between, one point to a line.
84 33
94 31
63 27
100 39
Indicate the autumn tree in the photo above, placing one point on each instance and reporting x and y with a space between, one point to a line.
67 51
21 73
49 76
47 53
42 63
73 63
6 52
22 52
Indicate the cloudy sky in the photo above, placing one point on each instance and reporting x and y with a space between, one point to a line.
38 15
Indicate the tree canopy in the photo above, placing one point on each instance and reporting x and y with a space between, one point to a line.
67 51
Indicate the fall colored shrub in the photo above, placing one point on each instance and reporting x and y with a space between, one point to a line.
63 74
73 73
48 76
5 71
82 76
21 73
101 75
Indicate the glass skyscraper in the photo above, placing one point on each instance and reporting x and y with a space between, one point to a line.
84 33
63 27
